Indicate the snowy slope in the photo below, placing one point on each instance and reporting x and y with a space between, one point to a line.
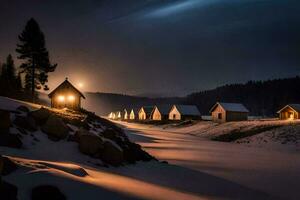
42 161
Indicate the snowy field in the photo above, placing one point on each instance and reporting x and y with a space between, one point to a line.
42 161
272 167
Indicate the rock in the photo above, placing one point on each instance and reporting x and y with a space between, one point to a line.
23 109
112 154
8 191
47 192
5 121
8 166
40 116
80 132
55 128
110 133
134 152
90 144
27 123
10 140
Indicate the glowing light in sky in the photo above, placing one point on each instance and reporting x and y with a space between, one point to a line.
80 85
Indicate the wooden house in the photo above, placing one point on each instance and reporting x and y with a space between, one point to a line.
184 112
160 112
290 112
226 112
126 113
145 112
66 96
133 114
118 115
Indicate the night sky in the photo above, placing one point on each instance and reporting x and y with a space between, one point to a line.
160 47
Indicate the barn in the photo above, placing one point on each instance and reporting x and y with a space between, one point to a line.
145 112
226 112
290 112
184 112
66 96
160 112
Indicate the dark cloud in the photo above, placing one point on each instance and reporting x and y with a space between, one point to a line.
165 47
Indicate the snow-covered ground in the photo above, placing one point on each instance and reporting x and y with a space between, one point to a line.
274 170
42 161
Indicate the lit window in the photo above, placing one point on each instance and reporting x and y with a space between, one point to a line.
61 98
71 98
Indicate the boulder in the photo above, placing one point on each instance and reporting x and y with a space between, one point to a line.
133 152
27 123
90 144
8 191
40 116
7 166
23 109
47 192
112 154
55 128
10 140
5 121
110 133
79 133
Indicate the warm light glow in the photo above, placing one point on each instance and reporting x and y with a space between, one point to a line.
71 98
80 85
61 98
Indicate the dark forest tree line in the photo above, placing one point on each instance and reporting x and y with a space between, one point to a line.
262 98
31 49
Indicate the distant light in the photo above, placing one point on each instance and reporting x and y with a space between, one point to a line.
80 85
71 98
61 98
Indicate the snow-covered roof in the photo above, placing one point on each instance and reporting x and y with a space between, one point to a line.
188 110
164 109
148 109
295 107
231 107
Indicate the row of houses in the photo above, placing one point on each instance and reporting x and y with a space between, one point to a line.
220 112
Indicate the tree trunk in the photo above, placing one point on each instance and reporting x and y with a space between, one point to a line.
32 80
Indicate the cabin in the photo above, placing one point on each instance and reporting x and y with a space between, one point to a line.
226 112
66 95
289 112
160 112
118 115
145 112
133 114
184 112
126 113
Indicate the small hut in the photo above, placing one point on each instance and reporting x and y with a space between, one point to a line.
226 112
118 115
160 112
126 113
145 112
133 114
66 96
289 112
184 112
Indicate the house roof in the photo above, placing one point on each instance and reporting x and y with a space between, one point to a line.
231 107
295 107
164 109
65 84
147 109
188 110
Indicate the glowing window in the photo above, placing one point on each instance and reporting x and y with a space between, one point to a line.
61 98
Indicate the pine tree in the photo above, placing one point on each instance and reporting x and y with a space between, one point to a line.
37 64
10 71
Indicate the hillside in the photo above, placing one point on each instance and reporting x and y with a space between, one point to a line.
262 98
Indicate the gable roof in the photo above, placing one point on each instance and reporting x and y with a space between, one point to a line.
188 110
295 107
66 84
147 109
163 109
231 107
